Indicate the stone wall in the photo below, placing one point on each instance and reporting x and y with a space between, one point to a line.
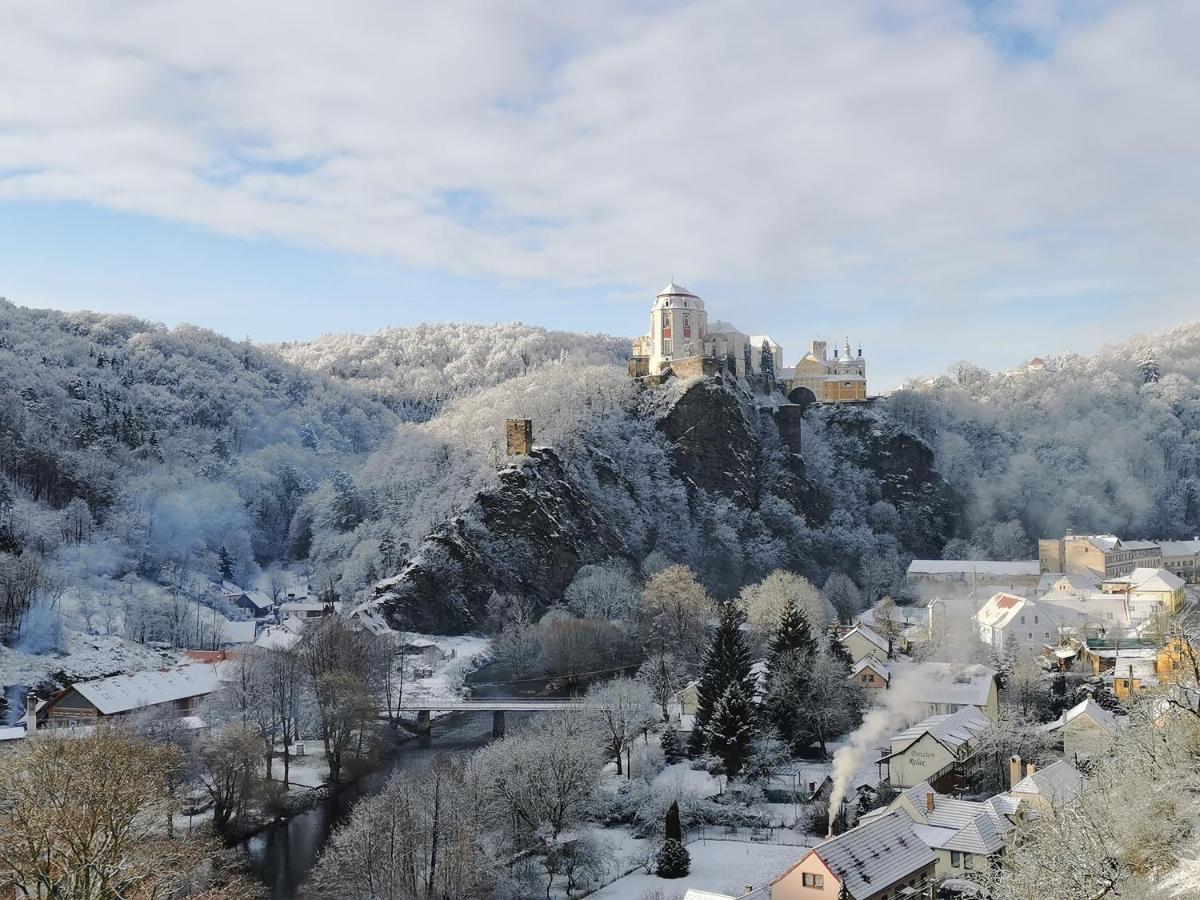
695 366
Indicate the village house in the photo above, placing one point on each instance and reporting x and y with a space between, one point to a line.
942 688
255 602
1053 787
862 641
881 860
1105 555
1182 558
86 702
908 623
1087 730
1008 623
308 609
1149 592
871 674
935 750
966 835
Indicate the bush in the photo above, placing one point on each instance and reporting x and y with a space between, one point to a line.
673 860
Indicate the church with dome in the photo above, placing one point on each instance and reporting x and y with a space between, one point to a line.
683 341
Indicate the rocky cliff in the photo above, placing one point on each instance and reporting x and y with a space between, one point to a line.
550 515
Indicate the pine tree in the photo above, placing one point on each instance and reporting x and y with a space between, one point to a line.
346 514
671 748
673 860
726 663
789 660
226 564
673 827
731 729
766 360
1149 369
839 652
749 357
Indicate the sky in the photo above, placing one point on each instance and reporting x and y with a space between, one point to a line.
935 179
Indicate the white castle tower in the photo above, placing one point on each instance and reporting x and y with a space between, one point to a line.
678 326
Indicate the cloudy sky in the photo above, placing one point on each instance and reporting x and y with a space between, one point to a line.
939 179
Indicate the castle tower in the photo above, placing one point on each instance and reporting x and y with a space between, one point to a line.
678 325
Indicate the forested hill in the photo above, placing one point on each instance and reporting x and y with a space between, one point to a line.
416 369
1108 442
153 447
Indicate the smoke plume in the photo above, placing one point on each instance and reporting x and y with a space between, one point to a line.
901 705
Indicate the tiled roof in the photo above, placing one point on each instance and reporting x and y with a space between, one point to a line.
951 731
869 633
870 662
872 857
1091 708
945 683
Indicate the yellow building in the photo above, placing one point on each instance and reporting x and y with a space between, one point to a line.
842 379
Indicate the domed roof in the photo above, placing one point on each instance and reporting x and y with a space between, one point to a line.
675 290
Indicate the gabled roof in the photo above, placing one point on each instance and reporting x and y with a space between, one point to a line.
980 835
870 662
951 731
1000 610
1179 548
1092 710
122 693
869 633
1074 581
872 857
1059 782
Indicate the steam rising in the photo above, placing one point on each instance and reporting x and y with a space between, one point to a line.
901 705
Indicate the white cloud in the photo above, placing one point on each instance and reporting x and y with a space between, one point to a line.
791 142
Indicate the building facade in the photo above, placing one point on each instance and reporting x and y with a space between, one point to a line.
1105 555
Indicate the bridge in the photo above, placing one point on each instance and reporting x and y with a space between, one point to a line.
497 706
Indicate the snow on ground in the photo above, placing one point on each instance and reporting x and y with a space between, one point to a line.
82 656
720 866
681 778
462 655
310 770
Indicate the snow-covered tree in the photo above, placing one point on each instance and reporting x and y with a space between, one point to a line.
625 707
766 359
731 729
672 748
726 664
789 665
665 677
675 611
842 594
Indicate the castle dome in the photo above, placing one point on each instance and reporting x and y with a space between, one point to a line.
676 296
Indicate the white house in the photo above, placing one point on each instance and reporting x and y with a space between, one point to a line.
935 749
862 641
1007 620
1050 788
1087 729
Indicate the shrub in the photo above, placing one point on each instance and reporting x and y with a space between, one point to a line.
673 860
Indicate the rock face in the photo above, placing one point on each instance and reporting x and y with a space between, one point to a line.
528 536
713 446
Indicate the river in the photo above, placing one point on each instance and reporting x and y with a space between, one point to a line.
282 855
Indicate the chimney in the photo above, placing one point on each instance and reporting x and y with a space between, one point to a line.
747 890
31 702
1014 771
929 802
1030 769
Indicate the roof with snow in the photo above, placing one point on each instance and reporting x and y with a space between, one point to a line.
980 566
946 683
675 290
1092 710
870 662
1179 548
1074 581
1149 579
756 341
1000 610
872 857
237 632
1060 782
869 633
15 733
951 731
122 693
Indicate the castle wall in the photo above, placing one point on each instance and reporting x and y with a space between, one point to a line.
695 366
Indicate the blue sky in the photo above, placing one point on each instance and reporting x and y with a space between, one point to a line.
938 180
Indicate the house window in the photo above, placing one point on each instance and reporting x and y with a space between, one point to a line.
1022 620
1035 620
967 864
956 859
812 881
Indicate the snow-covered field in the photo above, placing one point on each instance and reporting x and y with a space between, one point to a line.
82 656
721 866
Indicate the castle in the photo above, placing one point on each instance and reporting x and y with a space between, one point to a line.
682 340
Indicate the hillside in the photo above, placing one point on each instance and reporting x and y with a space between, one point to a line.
1109 442
415 370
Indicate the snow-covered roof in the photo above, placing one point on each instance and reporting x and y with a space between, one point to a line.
693 894
675 290
1074 581
870 662
848 377
1179 548
980 566
756 341
256 597
122 693
980 835
1149 579
278 637
951 730
722 327
946 683
1139 545
1000 610
1092 710
872 857
237 632
292 606
869 633
14 733
1060 782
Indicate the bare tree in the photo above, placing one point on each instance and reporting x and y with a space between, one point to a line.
625 708
665 677
230 760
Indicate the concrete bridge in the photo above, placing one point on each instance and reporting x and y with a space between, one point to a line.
497 706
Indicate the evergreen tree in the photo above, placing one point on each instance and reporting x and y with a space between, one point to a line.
345 512
726 663
226 564
671 748
88 431
766 360
789 661
308 436
673 827
839 652
749 357
673 860
387 553
731 729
